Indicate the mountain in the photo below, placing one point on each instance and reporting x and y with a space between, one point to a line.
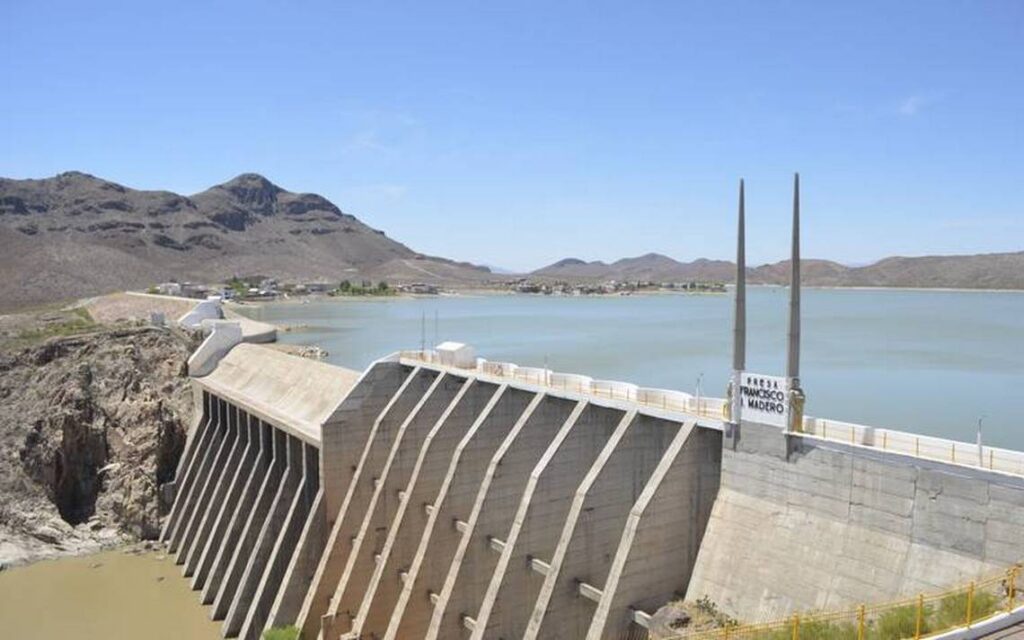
984 271
650 267
75 235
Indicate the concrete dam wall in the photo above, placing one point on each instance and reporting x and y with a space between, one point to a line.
420 499
802 523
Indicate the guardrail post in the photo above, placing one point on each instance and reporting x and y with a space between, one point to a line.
970 603
917 447
885 440
796 626
860 623
918 617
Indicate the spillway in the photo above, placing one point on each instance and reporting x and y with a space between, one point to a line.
425 498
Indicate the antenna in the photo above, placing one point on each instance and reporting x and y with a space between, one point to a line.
739 333
739 319
793 359
796 394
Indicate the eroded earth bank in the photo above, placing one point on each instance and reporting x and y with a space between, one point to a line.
93 419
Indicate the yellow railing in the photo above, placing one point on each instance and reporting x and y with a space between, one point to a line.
923 616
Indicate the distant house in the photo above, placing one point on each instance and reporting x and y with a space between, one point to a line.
169 288
191 290
421 288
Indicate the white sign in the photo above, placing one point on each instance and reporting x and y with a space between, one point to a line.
764 399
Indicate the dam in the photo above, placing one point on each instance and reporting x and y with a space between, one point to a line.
441 495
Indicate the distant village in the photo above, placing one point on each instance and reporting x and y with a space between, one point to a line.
610 287
260 288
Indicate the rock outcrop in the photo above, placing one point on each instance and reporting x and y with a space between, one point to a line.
90 427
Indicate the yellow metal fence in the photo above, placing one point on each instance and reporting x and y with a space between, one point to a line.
920 617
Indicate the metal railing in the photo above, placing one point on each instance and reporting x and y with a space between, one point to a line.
920 446
923 616
916 445
664 399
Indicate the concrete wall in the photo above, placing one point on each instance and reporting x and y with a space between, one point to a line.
348 480
493 510
663 533
442 531
596 520
813 524
368 527
475 409
539 520
419 501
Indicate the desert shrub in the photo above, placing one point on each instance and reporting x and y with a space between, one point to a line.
900 622
952 611
282 633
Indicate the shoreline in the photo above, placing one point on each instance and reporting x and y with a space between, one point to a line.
481 293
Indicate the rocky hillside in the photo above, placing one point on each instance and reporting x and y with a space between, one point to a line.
986 271
90 427
75 235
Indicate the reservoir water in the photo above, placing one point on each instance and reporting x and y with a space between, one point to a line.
931 362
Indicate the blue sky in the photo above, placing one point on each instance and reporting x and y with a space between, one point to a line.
515 134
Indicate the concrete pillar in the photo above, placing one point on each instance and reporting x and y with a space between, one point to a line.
413 392
182 535
478 408
594 526
296 508
183 500
383 503
658 548
229 465
186 472
308 550
453 505
494 506
538 524
192 536
254 519
257 560
261 435
239 471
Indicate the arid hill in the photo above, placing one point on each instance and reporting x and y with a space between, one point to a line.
76 235
986 271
